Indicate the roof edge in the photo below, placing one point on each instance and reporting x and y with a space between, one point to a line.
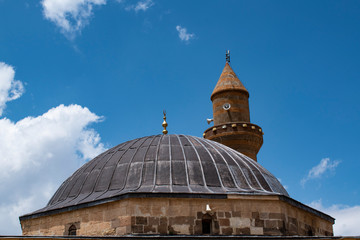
302 206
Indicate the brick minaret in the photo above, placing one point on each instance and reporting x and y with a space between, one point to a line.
231 115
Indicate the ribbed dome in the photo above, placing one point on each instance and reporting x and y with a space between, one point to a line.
169 164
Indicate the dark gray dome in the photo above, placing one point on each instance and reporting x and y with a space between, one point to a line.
167 164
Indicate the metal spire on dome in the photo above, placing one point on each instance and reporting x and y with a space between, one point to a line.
164 124
227 56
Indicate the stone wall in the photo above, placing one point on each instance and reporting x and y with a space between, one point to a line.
177 237
241 215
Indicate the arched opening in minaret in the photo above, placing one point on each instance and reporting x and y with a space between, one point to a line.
206 224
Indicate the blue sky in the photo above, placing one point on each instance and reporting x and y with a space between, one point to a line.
80 76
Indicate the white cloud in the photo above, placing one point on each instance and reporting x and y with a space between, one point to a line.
69 15
142 5
37 154
319 170
10 89
347 218
183 34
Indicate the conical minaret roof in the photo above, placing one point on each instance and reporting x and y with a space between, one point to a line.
228 81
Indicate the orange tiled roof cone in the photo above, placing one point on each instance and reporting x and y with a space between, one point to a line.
228 81
231 115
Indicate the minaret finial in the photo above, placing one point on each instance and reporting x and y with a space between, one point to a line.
227 56
164 124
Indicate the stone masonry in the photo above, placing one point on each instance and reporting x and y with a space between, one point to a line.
237 215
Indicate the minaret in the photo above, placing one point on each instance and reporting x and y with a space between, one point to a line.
231 115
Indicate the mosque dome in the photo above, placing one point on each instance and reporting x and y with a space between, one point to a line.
180 184
164 164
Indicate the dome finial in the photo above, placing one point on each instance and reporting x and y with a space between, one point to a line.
227 56
164 124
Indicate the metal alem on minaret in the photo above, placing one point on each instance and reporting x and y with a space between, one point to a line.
227 56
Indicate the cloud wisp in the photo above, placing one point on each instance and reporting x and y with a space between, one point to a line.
347 219
142 5
184 35
10 89
38 153
69 15
325 165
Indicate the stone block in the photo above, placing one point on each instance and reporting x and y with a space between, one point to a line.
85 218
181 220
221 214
236 214
292 229
137 229
163 221
179 210
227 214
272 232
154 221
264 215
224 222
244 222
172 231
158 211
273 223
256 231
121 231
276 216
191 229
181 229
235 221
96 216
259 223
133 220
216 229
162 229
246 214
115 223
102 226
141 220
198 227
149 229
227 231
255 215
328 233
109 232
292 220
125 220
242 231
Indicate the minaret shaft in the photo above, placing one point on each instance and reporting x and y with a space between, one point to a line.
239 108
231 116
